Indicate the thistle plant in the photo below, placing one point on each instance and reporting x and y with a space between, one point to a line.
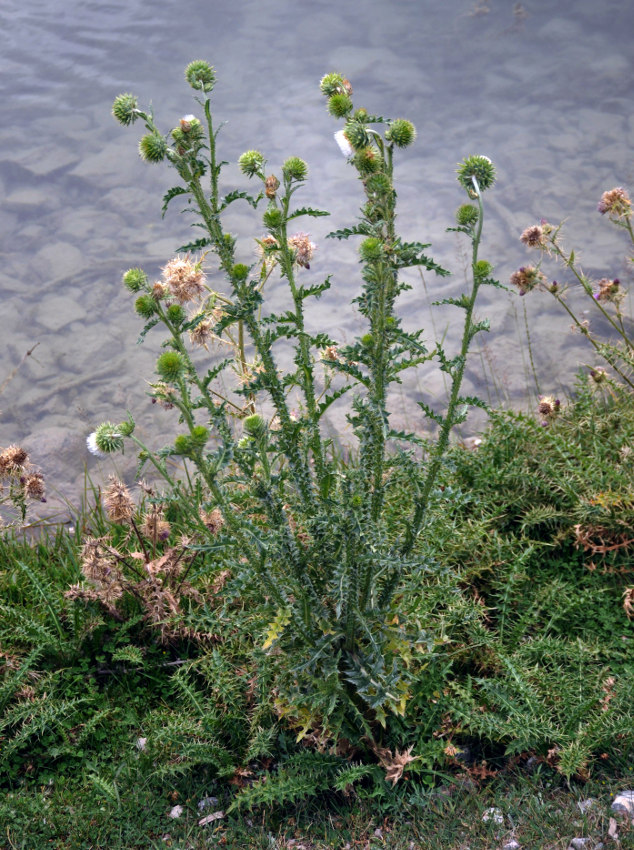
309 529
607 294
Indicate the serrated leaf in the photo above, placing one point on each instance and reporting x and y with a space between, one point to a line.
306 291
463 302
236 195
171 193
196 245
307 211
329 399
361 229
430 414
148 327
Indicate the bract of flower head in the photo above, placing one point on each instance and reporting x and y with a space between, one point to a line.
616 203
185 278
303 249
344 145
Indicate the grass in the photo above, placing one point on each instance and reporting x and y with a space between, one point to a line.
524 704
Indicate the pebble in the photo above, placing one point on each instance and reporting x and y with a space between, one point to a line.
494 815
176 812
511 845
624 803
586 805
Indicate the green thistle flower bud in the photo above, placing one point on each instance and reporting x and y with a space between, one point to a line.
477 166
244 442
378 184
467 216
108 439
367 340
357 501
239 272
368 161
295 169
332 84
200 75
176 314
145 306
371 249
401 133
135 280
273 218
251 163
126 429
357 135
182 444
199 436
153 147
339 105
254 425
482 269
125 109
170 366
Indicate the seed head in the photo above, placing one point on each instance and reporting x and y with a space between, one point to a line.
303 249
13 459
616 203
185 279
118 502
527 278
610 291
533 237
212 519
34 486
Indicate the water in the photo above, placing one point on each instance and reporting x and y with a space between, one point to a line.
546 96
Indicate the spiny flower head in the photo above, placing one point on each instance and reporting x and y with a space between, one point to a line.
125 109
213 520
118 502
332 84
170 365
153 147
200 75
13 459
251 163
105 440
534 237
401 133
548 407
185 278
271 185
357 134
33 484
616 203
295 168
467 215
339 105
610 291
303 249
135 280
477 166
155 527
527 278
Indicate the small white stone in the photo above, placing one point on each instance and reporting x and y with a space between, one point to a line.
206 803
581 844
511 845
586 805
176 812
624 803
141 743
494 815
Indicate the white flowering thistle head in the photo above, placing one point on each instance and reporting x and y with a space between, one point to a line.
106 439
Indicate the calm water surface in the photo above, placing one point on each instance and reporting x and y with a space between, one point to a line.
546 94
